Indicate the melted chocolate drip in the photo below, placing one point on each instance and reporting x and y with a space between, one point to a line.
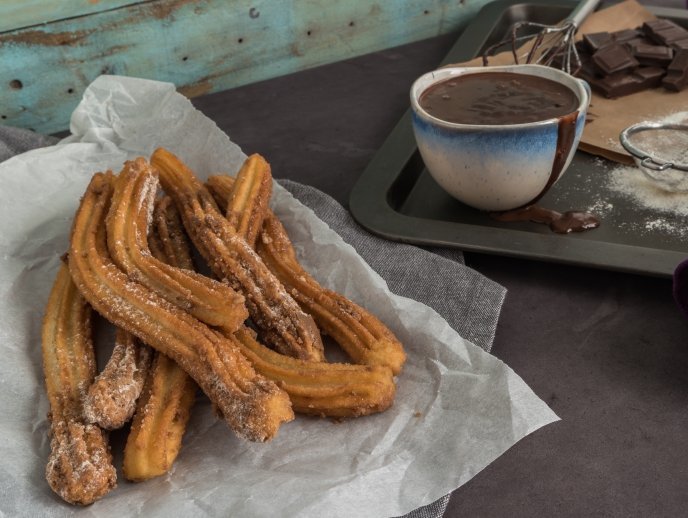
570 221
561 223
566 134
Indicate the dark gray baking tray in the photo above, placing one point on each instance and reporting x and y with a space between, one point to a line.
396 198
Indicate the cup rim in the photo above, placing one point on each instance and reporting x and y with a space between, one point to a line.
532 70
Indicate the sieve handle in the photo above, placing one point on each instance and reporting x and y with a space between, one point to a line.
653 164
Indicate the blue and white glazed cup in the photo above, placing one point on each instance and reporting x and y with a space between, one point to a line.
493 167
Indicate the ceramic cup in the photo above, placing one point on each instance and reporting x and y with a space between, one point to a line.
494 167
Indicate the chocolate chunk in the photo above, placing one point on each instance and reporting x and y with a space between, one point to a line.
653 55
657 25
680 45
625 35
620 84
631 44
631 60
597 40
664 32
677 72
613 59
652 76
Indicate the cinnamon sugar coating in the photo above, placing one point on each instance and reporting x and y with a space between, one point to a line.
79 467
281 322
252 406
128 220
362 335
111 399
164 408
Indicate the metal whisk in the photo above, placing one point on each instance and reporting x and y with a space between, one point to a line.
553 44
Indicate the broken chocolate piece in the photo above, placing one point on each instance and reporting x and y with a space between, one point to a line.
653 55
630 60
625 35
664 32
680 45
597 40
614 58
677 72
652 76
619 85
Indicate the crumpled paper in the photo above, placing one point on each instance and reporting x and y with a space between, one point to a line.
457 407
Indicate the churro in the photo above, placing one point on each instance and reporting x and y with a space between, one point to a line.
80 466
160 420
111 399
364 338
320 388
280 320
316 388
208 300
252 406
167 239
249 198
164 407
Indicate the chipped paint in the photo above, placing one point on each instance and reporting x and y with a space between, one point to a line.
162 9
196 89
20 14
53 39
224 47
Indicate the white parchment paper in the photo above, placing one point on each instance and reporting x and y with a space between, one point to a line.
457 407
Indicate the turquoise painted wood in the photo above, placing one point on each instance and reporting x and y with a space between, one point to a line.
18 14
201 46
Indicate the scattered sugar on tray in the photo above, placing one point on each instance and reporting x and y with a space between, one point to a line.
631 182
666 227
601 208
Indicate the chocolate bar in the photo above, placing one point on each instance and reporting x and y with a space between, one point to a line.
625 35
597 40
677 72
680 45
631 60
664 32
653 55
640 79
613 59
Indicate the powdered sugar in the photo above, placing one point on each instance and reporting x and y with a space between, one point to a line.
665 145
631 182
626 197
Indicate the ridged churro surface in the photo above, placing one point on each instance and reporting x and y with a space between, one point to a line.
80 466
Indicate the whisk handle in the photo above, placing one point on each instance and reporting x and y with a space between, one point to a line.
581 12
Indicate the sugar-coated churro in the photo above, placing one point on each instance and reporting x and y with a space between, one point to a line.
249 198
80 466
160 420
165 405
320 388
281 322
167 239
364 338
111 399
316 388
210 301
253 406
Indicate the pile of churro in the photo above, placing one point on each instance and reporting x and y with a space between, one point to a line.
249 337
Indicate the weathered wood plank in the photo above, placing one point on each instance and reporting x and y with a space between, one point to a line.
18 14
201 46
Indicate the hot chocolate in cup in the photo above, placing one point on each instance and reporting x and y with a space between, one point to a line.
498 138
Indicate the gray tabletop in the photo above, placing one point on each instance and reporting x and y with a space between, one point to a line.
607 351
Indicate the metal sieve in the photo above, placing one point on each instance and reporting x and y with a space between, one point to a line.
661 152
